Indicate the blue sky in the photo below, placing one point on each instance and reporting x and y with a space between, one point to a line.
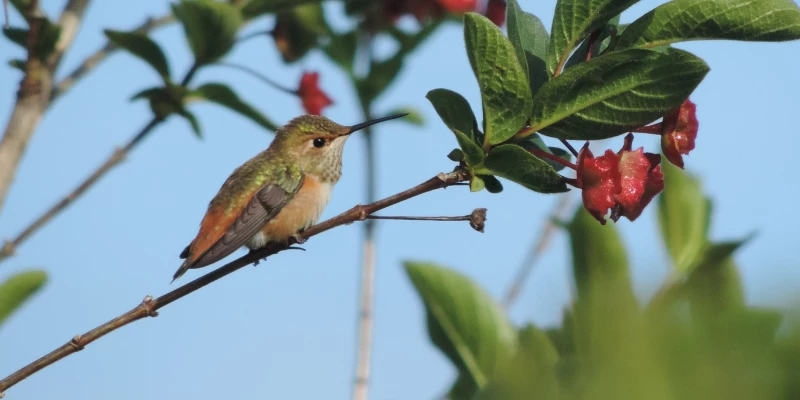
287 328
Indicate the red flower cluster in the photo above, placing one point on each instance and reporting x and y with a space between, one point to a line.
313 98
624 182
422 10
679 131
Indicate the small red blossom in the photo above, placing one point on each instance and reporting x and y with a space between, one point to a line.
678 132
600 180
313 98
458 6
496 11
623 182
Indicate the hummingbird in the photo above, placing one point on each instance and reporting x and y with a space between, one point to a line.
276 195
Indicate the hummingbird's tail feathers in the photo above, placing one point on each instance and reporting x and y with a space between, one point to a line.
182 270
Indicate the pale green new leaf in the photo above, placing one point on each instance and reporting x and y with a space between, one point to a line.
224 96
17 289
464 323
615 93
683 214
682 20
573 21
504 85
141 46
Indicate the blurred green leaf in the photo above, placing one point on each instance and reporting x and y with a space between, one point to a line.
20 5
17 289
210 27
18 64
381 75
192 120
504 86
533 40
615 93
455 112
164 101
342 49
464 323
530 374
493 185
476 184
142 47
516 164
298 31
257 8
226 97
414 117
681 20
574 20
47 43
684 216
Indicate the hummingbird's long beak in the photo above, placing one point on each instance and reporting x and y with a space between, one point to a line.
373 122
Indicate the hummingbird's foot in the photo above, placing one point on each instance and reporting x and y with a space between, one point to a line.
298 238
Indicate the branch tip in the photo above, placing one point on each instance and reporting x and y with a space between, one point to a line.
477 220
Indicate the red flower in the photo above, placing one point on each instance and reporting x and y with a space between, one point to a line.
624 182
600 180
678 132
314 99
458 6
496 11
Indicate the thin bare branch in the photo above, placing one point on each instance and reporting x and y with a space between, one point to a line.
9 247
98 56
477 218
538 247
150 306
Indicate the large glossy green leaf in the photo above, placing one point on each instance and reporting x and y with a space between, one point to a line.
681 20
17 289
226 97
516 164
615 93
210 27
531 374
504 85
573 21
256 8
683 214
141 46
464 323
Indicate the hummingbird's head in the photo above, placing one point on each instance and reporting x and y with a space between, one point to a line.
316 143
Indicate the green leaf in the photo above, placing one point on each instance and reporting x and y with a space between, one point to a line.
530 374
717 253
504 86
414 117
601 42
683 214
516 164
747 20
256 8
473 152
574 20
47 43
226 97
456 155
18 36
142 47
342 49
463 321
381 74
18 64
516 30
210 27
455 112
493 185
192 122
533 39
476 184
21 6
298 31
164 101
615 93
17 289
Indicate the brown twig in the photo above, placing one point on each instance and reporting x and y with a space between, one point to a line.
119 154
98 56
477 218
33 98
538 247
150 306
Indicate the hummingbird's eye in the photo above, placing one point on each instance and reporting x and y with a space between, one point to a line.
319 142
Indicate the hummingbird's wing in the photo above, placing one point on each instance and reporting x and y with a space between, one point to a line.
227 226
